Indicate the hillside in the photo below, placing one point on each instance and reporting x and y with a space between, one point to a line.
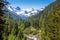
49 21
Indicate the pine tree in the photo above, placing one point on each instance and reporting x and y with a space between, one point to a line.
2 4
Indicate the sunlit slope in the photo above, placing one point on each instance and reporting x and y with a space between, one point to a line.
49 21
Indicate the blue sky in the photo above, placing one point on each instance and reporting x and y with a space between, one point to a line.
36 4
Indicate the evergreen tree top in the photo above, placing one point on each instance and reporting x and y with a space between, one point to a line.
3 2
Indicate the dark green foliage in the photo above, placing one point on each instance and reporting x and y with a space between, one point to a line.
52 21
2 21
49 20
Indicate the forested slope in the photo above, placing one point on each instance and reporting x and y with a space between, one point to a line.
49 21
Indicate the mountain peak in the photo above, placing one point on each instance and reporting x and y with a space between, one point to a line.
23 12
18 8
10 8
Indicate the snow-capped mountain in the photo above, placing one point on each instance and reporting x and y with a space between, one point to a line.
23 13
18 8
26 12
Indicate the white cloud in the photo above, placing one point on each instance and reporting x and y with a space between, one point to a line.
28 9
27 14
34 11
23 13
20 12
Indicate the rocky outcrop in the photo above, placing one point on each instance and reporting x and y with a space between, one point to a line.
32 37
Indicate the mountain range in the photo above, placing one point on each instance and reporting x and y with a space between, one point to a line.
21 13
